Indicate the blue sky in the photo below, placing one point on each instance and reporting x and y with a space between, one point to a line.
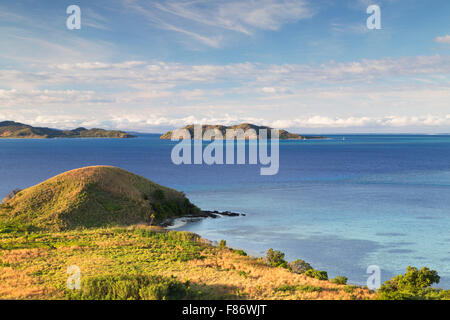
308 66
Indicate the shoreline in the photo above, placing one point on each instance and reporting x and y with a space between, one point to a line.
179 221
175 223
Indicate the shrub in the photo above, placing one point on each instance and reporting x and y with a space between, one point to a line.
340 280
350 288
240 252
414 284
243 274
222 244
183 236
299 266
285 288
275 258
317 274
304 288
134 287
308 288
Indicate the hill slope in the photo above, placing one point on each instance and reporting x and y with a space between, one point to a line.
93 197
284 135
11 129
120 263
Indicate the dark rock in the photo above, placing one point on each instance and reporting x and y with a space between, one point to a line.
203 214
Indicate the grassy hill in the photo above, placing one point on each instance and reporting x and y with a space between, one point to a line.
93 197
283 134
11 129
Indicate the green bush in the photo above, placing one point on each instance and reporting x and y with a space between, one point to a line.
304 288
240 252
350 288
299 266
317 274
286 288
340 280
243 274
275 258
308 288
131 287
222 244
415 284
183 236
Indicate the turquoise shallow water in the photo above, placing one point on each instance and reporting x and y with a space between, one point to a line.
342 205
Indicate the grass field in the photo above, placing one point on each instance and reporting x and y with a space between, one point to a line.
34 266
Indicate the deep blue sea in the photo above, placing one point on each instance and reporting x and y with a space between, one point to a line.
341 205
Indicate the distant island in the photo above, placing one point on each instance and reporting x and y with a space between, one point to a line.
284 135
11 129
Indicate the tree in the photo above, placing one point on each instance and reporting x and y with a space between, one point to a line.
299 266
275 258
414 284
317 274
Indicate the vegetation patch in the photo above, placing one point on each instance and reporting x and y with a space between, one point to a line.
131 287
340 280
415 284
317 274
302 288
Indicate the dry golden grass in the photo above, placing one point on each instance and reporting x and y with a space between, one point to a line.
21 255
219 273
15 284
250 278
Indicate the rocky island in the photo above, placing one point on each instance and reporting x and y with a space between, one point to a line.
284 135
11 129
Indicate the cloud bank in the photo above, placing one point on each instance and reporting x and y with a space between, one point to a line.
141 95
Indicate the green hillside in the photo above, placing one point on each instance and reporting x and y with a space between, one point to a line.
93 197
11 129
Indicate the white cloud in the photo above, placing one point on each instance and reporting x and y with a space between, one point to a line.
94 20
443 39
317 123
26 46
151 95
360 122
143 75
245 17
27 40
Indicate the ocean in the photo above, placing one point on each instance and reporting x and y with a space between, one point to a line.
341 204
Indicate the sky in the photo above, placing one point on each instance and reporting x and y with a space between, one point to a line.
309 66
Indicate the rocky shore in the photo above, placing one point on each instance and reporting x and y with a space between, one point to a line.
203 214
